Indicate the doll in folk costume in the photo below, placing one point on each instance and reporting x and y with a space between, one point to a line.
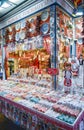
67 77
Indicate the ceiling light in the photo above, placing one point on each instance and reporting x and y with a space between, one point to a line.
14 1
1 9
5 5
79 13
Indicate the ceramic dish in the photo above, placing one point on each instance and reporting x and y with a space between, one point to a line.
23 24
32 30
22 35
51 20
32 20
44 15
3 32
17 37
45 28
10 29
17 26
10 37
52 34
80 41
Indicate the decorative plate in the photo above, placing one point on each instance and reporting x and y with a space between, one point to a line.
3 32
51 20
23 24
32 29
32 20
45 28
52 35
44 15
17 37
10 37
80 41
78 26
17 26
22 35
10 29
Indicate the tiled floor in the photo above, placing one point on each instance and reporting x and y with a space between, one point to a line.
9 125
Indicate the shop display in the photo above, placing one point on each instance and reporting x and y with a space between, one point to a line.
64 36
41 91
18 97
27 40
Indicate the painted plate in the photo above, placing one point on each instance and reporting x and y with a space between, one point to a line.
17 26
10 37
23 24
80 41
17 37
10 29
51 20
32 29
22 35
52 34
44 16
45 28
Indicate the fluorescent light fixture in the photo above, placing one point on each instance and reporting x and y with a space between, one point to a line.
14 1
1 9
79 13
5 5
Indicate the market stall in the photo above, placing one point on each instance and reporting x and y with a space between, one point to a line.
36 47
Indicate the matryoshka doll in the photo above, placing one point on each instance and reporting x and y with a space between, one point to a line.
67 77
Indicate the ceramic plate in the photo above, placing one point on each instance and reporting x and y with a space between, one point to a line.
10 37
17 26
44 16
23 24
10 29
80 41
17 37
22 35
52 35
51 20
32 29
45 28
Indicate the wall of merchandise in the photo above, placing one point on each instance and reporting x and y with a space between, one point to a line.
34 47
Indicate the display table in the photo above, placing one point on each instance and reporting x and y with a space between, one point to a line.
19 102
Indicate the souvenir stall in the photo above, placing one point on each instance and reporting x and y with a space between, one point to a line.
37 43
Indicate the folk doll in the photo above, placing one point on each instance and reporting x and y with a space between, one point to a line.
67 77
